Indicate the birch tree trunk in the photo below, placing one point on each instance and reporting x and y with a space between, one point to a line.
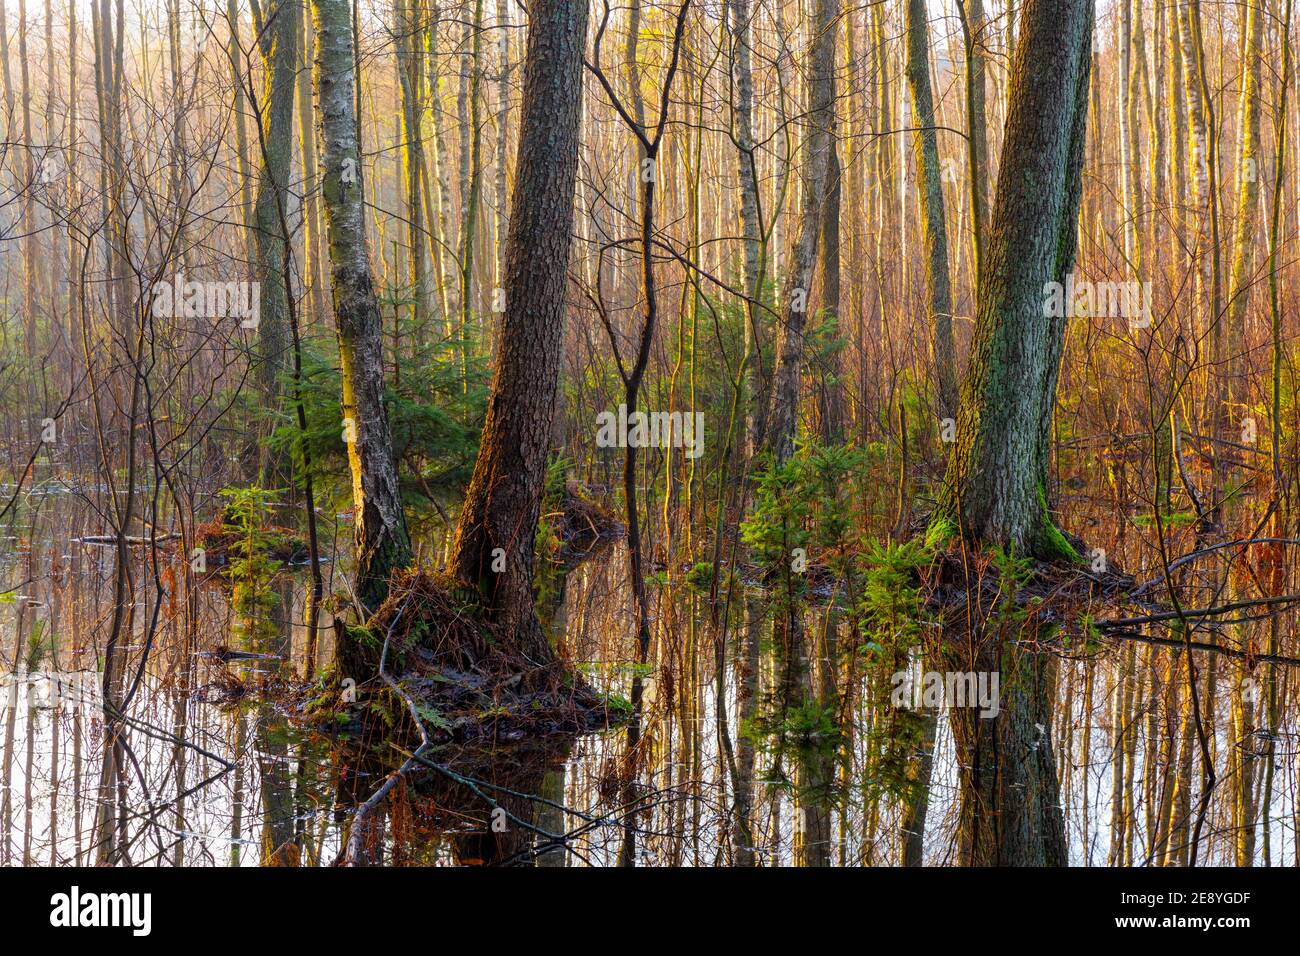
934 238
235 52
886 185
31 235
1243 243
1204 163
381 539
1131 182
500 228
818 143
830 415
438 175
973 24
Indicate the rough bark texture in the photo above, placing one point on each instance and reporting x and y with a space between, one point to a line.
977 120
995 486
504 498
382 544
996 481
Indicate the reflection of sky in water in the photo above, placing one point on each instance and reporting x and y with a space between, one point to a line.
247 786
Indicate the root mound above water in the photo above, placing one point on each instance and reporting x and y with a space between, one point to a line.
223 544
436 621
583 526
962 587
465 675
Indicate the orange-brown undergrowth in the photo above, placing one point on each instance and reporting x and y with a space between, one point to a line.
462 670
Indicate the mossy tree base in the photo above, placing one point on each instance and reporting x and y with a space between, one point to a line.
1042 539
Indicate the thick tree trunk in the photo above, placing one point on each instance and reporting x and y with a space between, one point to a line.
504 498
995 486
382 544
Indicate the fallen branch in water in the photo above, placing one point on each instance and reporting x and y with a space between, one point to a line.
110 540
1200 646
1208 549
1195 612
